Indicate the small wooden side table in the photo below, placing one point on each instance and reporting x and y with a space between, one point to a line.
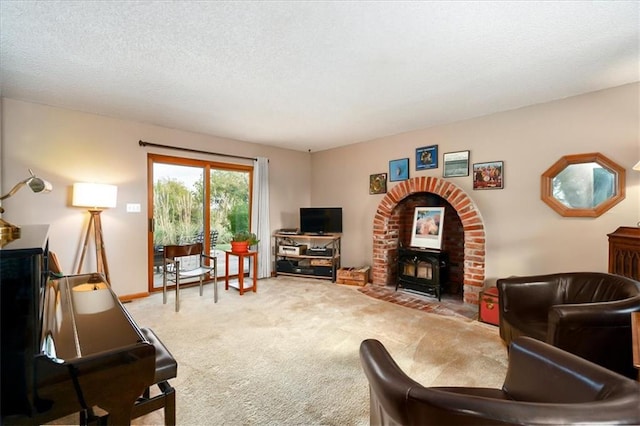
241 256
635 334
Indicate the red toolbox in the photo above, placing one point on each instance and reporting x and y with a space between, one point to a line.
489 306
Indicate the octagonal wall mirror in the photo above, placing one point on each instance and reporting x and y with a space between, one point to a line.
583 185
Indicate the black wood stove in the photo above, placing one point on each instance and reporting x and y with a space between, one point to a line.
422 270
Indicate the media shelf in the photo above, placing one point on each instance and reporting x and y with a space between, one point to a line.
307 255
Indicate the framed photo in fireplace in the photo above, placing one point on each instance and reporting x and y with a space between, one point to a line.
427 227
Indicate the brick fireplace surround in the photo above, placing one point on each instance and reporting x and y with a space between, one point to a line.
388 233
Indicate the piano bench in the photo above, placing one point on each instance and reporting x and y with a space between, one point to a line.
166 368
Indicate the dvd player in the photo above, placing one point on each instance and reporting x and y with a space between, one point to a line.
315 251
288 231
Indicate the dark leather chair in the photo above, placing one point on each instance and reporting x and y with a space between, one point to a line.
544 385
585 313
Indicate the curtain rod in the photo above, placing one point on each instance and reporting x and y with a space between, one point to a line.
143 143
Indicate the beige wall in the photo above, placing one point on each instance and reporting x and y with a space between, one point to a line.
66 146
524 236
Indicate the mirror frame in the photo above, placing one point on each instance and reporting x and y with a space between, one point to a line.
546 193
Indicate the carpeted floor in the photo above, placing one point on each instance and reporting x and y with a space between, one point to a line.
288 354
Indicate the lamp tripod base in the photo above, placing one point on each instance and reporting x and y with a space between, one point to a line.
95 224
8 232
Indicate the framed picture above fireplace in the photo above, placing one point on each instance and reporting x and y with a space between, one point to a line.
427 227
398 170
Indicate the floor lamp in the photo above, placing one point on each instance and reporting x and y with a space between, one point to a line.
97 197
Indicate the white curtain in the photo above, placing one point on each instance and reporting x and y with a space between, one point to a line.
260 215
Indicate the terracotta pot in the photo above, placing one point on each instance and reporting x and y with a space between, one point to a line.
239 246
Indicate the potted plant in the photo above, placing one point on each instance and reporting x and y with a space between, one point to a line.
242 240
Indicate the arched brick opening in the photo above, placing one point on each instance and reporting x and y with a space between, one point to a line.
385 232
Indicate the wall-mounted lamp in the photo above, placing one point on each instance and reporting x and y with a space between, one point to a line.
9 232
97 197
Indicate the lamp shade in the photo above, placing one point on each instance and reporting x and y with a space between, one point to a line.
39 185
92 298
96 195
637 166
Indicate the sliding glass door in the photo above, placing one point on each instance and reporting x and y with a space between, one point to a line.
195 201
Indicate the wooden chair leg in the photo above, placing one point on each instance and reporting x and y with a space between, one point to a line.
165 400
170 404
90 417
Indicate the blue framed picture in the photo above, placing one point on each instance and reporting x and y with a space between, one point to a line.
398 170
427 157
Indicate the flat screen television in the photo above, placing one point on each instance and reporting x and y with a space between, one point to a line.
321 220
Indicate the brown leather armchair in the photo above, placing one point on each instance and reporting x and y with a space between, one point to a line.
585 313
544 385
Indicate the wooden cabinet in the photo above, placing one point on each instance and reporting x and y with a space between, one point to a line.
313 256
624 252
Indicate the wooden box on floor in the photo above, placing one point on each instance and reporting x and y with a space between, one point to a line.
353 275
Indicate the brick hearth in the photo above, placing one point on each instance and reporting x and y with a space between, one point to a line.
389 231
449 306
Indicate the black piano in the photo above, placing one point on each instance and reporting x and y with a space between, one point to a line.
67 343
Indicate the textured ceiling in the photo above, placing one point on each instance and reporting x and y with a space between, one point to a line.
312 75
